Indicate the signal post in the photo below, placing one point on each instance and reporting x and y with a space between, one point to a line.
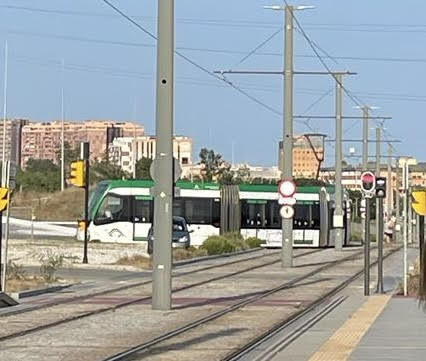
80 178
368 184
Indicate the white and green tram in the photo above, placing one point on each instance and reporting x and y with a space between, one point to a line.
123 210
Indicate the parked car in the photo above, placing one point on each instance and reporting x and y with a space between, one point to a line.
180 234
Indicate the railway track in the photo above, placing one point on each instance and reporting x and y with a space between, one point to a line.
84 314
142 350
137 284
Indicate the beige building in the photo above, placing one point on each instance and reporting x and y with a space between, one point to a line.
126 151
305 162
43 140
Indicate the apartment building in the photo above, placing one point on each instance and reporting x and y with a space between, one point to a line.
43 140
305 154
126 151
13 139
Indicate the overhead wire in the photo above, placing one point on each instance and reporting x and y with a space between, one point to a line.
263 43
203 69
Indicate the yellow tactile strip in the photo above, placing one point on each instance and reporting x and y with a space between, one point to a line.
344 340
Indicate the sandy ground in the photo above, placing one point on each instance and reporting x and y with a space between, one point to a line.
27 253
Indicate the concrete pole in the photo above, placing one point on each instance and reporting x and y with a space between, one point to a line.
338 211
389 188
379 216
163 189
287 224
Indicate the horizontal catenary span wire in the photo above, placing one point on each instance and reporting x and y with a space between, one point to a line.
206 50
196 81
221 22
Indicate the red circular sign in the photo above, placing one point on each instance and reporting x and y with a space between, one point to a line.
287 188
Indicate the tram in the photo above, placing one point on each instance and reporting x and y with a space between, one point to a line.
123 210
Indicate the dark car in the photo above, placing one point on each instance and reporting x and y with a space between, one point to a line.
180 234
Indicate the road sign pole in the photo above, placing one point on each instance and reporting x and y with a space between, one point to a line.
163 189
379 216
367 248
365 116
287 167
380 250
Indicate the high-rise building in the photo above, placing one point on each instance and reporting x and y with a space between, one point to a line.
13 139
126 151
306 153
43 140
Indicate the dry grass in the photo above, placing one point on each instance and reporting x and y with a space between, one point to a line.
18 285
58 206
412 281
145 262
138 261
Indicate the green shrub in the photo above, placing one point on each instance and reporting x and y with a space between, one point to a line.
254 242
218 245
233 236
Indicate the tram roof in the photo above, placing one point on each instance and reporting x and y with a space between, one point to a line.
145 183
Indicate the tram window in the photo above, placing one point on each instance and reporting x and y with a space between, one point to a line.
198 210
254 215
316 220
306 216
215 221
114 208
272 217
144 210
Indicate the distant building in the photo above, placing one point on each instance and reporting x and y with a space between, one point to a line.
13 139
305 153
126 151
43 140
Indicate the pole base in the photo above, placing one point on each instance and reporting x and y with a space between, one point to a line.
6 300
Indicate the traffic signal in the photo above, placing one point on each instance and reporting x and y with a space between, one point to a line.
419 201
77 176
4 198
380 187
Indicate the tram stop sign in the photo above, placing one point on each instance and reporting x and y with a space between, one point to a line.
368 183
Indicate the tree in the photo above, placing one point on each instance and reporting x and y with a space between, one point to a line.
212 163
306 182
40 175
104 170
142 168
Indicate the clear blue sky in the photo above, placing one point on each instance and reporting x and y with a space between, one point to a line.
110 67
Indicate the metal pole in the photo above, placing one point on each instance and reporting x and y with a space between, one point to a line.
6 56
163 193
380 249
86 157
6 230
367 248
364 152
1 246
405 171
62 128
397 202
379 216
338 211
410 216
287 224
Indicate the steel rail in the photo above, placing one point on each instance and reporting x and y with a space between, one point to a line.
141 299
